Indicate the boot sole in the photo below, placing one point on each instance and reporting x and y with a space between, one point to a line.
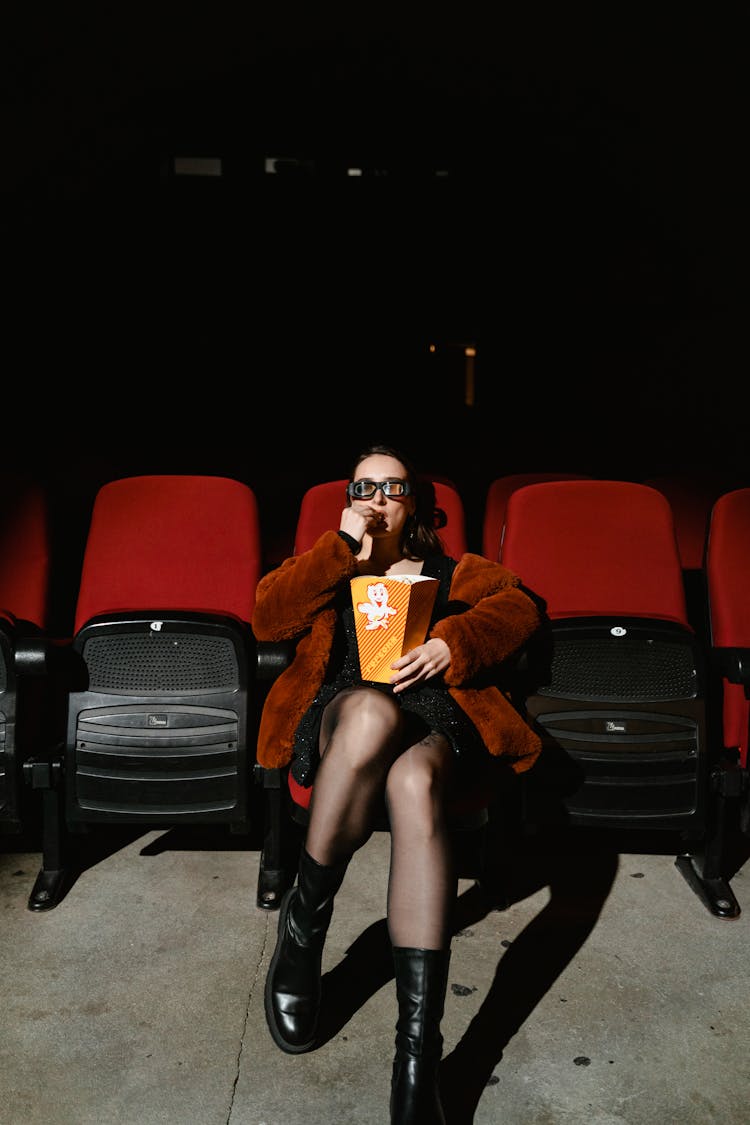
278 1038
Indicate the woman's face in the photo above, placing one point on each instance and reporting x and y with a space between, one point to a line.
388 513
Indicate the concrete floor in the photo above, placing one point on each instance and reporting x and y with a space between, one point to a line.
606 994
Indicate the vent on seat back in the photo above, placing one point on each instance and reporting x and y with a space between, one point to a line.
165 662
628 668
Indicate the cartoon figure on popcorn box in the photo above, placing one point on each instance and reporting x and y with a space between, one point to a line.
395 693
376 607
400 606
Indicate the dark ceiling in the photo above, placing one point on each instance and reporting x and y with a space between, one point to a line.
561 190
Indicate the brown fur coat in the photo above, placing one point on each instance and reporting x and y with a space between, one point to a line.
295 603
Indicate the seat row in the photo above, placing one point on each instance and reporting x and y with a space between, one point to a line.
147 714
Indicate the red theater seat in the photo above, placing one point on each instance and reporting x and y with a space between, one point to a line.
177 542
24 608
496 502
728 568
159 705
25 553
620 691
598 548
691 495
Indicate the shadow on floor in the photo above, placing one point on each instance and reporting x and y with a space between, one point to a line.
579 882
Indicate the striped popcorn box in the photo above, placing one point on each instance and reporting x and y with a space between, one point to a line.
391 615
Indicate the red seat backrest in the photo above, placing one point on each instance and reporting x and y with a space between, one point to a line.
497 499
592 547
182 543
727 571
692 496
322 504
24 549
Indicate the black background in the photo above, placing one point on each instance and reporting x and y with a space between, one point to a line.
586 236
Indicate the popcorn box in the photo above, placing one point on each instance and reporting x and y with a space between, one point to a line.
391 615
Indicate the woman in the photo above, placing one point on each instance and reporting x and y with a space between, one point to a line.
409 743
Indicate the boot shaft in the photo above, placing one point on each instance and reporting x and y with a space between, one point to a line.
421 984
312 906
293 984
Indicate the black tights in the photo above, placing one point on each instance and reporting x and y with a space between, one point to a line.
363 762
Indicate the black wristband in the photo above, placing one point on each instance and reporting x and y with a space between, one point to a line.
353 544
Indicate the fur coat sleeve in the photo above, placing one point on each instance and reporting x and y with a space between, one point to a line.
492 621
295 603
289 599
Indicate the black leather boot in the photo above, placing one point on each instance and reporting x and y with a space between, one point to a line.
421 983
293 983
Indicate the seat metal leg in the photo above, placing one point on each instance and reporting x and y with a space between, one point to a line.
275 874
51 881
714 892
703 868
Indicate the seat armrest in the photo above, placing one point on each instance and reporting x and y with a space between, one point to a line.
734 664
273 657
30 655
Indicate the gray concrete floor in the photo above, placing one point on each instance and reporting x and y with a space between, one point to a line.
606 993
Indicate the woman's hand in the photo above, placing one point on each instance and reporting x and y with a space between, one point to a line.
420 663
357 521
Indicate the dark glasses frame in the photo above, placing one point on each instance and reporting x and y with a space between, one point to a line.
403 488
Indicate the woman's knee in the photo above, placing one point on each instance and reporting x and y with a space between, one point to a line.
364 707
419 777
362 723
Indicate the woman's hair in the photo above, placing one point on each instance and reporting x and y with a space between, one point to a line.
419 539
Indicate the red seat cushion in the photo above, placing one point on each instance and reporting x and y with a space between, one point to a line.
300 794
